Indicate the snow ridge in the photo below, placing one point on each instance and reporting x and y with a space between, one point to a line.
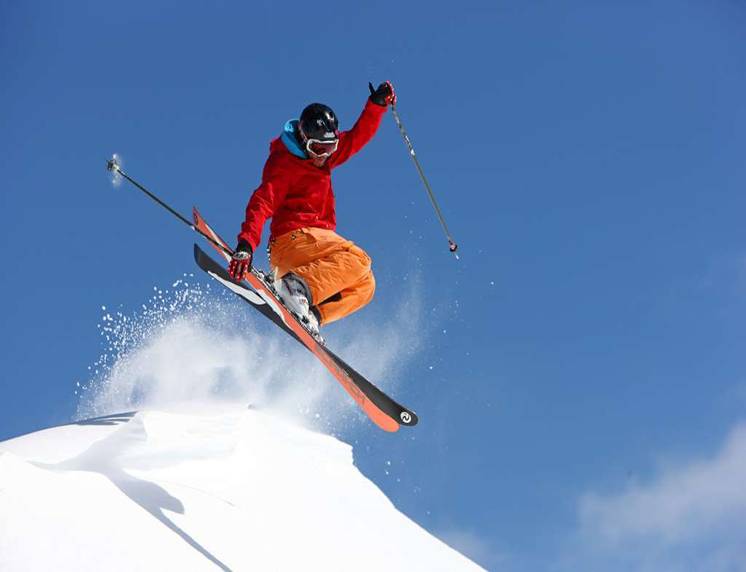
210 488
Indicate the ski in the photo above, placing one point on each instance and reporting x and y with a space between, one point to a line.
377 405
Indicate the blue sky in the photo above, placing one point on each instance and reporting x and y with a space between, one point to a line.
586 352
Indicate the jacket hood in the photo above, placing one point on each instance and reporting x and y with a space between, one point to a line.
290 140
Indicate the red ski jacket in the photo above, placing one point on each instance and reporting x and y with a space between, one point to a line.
294 192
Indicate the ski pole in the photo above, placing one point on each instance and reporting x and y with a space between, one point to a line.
113 166
452 246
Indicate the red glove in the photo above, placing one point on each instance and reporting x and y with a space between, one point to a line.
241 261
384 95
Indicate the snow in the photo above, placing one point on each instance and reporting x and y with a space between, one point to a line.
205 488
193 479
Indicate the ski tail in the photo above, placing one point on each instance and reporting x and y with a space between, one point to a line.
205 228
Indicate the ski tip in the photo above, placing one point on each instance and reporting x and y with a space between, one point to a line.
408 418
392 422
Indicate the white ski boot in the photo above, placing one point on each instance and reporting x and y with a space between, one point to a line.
294 295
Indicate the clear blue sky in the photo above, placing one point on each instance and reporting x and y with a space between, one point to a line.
589 158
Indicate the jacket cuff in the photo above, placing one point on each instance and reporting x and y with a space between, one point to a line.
245 246
243 238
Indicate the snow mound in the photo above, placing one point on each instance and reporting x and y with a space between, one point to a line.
228 488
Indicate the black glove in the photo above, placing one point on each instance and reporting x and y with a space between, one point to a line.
384 95
241 261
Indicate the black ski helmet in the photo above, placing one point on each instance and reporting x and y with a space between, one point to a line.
318 121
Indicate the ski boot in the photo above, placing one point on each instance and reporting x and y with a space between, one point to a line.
294 295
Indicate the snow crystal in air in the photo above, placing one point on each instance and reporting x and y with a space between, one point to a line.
191 344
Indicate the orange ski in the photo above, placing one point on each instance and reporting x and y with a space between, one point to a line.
378 406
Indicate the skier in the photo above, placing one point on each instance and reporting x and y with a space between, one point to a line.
319 275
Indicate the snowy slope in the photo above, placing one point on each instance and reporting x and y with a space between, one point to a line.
230 489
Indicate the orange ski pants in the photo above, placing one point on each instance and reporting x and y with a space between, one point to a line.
336 271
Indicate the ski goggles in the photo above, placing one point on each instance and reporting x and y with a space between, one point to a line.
321 149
